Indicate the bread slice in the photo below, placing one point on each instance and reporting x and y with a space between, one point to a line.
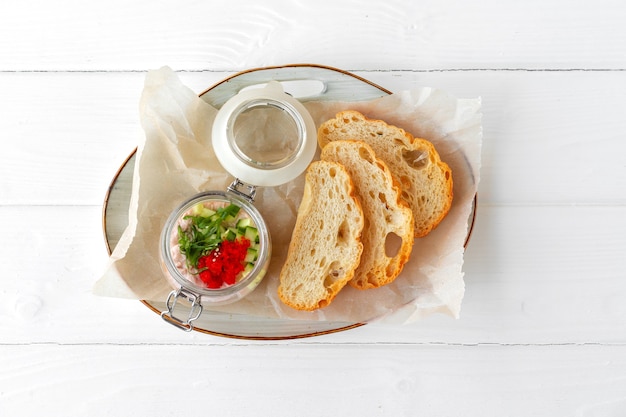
426 180
388 230
325 247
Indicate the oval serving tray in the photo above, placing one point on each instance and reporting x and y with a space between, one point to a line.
330 84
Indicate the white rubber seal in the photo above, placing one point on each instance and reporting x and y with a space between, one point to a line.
293 158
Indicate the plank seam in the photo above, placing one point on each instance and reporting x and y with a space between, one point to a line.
234 70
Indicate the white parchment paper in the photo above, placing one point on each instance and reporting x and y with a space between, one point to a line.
176 160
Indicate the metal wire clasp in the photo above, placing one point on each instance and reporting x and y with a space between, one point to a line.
194 312
234 188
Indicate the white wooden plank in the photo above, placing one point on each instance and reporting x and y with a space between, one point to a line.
543 274
537 275
66 134
545 142
62 132
118 35
305 380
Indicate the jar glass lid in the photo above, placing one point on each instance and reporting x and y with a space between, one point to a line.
264 136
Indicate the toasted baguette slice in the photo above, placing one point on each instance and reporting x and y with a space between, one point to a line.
426 180
325 246
388 231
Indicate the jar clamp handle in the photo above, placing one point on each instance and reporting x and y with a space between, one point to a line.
235 186
194 312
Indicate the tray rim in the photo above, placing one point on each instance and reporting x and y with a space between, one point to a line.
300 65
471 219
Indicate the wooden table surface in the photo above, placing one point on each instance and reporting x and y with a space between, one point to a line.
542 330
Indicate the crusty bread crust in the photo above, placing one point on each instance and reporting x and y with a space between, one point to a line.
388 232
426 180
325 247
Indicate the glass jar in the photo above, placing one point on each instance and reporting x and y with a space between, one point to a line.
263 137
